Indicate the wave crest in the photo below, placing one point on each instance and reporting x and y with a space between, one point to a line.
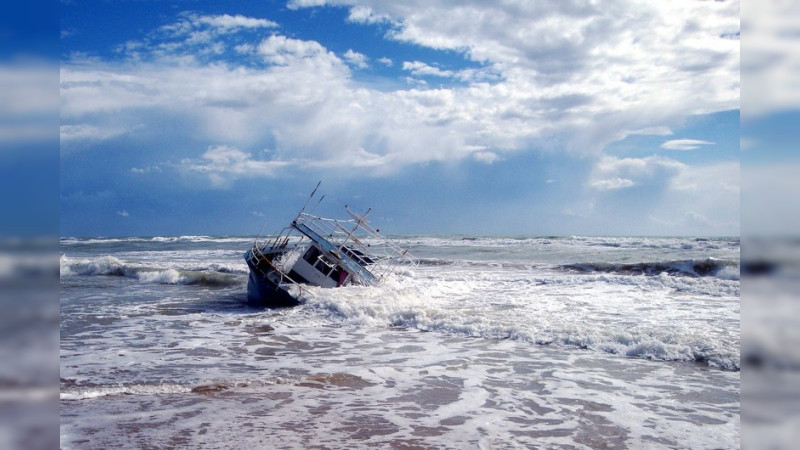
709 267
213 275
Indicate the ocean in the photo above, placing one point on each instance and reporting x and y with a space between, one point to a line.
540 342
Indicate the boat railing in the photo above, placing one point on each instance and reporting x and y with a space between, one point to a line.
279 240
283 279
373 252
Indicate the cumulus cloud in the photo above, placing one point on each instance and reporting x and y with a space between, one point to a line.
610 184
486 157
705 197
421 69
148 169
720 178
193 37
538 77
227 22
611 173
356 59
196 26
654 131
223 164
285 51
297 4
684 144
663 196
555 38
87 133
366 15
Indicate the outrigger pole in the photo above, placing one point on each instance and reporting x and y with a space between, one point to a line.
310 197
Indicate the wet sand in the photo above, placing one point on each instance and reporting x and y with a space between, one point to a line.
396 388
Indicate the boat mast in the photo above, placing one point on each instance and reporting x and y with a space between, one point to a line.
360 220
309 198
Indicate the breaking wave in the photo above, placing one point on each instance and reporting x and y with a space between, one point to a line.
214 275
645 344
154 239
641 317
709 267
90 392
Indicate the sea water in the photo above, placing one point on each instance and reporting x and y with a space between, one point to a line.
542 342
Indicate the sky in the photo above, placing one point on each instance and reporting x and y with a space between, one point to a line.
479 118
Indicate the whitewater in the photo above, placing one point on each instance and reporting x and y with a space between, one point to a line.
556 341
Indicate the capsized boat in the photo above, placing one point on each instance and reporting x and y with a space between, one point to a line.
319 251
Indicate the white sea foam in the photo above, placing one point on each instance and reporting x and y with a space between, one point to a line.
169 276
637 316
106 265
213 274
71 241
495 344
328 386
78 393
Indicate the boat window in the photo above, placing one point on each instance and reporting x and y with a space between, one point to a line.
324 265
320 265
311 255
337 275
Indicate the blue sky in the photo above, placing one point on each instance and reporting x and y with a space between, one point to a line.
489 118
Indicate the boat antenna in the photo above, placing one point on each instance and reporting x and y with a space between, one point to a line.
255 243
310 197
318 202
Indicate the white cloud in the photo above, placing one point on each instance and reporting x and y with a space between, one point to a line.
657 195
611 184
720 178
223 164
486 157
191 38
285 51
655 172
366 15
227 22
595 47
552 77
654 131
416 82
702 198
297 4
356 59
245 48
684 144
84 132
421 69
386 61
200 27
123 213
147 169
